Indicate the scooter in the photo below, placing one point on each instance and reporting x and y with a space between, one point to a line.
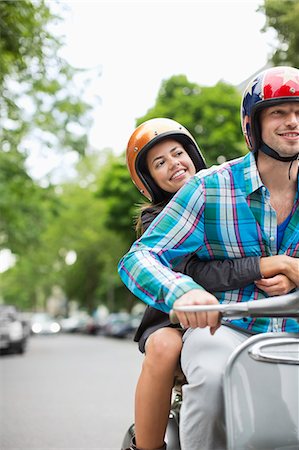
260 382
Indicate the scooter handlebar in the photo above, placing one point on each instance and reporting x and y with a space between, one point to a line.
278 306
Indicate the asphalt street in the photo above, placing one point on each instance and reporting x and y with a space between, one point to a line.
68 392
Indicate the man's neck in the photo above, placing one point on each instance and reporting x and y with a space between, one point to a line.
281 183
276 175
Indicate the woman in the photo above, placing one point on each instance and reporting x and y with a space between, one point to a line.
161 156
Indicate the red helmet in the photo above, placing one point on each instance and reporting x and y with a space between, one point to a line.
270 87
145 137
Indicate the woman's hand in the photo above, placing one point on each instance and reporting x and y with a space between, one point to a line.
292 270
280 264
277 285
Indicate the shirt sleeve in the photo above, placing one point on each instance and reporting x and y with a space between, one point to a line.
223 275
177 232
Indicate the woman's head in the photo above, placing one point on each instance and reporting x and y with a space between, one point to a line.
169 165
161 137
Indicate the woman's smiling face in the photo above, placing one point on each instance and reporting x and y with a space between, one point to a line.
169 165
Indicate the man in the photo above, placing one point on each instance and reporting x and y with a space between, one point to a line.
246 207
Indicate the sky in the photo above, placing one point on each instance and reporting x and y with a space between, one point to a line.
130 47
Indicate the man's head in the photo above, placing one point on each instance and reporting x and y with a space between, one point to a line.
272 88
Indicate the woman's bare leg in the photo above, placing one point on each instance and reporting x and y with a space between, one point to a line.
154 387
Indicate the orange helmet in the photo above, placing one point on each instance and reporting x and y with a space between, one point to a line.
147 135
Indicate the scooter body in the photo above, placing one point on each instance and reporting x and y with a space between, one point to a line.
261 394
260 383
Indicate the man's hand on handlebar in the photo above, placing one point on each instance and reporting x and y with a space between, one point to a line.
195 319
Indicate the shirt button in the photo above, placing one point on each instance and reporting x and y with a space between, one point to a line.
272 238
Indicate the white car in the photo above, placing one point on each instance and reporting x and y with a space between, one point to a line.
13 333
43 323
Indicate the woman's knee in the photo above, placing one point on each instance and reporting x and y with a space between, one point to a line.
165 344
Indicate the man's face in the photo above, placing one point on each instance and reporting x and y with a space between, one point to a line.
280 128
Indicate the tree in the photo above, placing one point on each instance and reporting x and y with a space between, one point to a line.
121 198
22 204
211 114
98 219
39 110
38 99
78 227
283 16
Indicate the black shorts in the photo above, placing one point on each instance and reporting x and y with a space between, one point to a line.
153 319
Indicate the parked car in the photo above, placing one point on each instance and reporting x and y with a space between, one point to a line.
13 331
120 325
43 323
75 323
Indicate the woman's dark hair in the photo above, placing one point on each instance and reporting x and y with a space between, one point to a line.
154 209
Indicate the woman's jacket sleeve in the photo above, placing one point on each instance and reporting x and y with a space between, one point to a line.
223 275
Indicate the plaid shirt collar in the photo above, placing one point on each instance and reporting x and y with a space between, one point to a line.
252 179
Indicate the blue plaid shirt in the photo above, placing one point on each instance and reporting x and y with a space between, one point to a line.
221 212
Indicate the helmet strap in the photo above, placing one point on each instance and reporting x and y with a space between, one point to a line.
270 152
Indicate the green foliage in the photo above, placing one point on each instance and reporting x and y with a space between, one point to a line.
211 114
79 228
283 16
29 282
121 198
22 31
78 225
39 109
38 100
24 206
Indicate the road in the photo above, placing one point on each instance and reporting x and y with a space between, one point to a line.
68 392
